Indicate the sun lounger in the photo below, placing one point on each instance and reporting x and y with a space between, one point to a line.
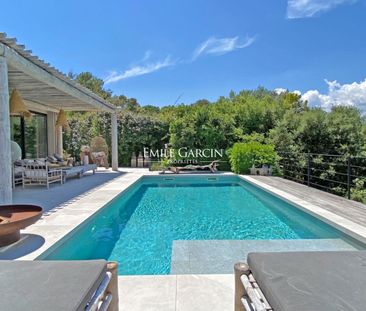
58 285
212 167
301 281
77 171
89 167
72 172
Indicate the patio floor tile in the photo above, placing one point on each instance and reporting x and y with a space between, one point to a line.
148 293
205 293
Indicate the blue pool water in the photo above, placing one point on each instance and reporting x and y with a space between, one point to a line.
138 227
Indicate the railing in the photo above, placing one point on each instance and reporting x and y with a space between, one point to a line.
338 174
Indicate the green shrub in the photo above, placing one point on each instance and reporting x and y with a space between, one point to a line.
358 193
244 155
160 166
156 166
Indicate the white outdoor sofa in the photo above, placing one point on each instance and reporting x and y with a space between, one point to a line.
39 173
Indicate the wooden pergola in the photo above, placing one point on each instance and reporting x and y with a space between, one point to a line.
45 89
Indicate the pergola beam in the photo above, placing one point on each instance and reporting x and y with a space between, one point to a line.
40 73
45 89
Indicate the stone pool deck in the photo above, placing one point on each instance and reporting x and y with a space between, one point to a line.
346 215
351 210
211 292
68 205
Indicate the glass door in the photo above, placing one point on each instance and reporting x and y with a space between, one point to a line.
31 135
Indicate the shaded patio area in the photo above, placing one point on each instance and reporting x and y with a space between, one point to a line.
58 196
42 95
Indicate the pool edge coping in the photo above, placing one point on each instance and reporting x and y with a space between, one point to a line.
343 224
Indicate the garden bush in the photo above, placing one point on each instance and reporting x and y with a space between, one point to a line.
358 193
244 155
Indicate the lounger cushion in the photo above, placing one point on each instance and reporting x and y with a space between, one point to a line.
49 285
312 281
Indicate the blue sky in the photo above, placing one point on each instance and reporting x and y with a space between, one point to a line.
158 50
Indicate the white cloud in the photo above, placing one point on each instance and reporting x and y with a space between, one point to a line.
280 90
138 70
353 94
211 46
220 46
309 8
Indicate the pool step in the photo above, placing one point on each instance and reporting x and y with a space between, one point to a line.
219 256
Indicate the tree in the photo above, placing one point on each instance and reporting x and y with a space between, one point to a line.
94 84
345 127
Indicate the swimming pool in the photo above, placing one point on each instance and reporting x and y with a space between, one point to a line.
138 227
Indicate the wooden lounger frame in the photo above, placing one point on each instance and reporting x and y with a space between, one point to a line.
106 296
248 295
112 288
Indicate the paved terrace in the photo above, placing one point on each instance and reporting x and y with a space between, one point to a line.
68 205
59 196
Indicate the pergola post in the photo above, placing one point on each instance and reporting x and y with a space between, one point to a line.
114 132
51 133
5 153
59 141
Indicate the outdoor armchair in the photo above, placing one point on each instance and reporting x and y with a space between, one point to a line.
100 151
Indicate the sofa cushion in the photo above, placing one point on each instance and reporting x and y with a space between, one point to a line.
58 157
40 162
312 281
49 285
18 170
23 162
36 174
51 159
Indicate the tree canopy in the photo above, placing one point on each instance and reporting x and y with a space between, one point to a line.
283 120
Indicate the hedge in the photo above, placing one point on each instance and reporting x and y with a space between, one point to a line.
244 155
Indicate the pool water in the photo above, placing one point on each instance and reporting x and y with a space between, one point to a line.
138 228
